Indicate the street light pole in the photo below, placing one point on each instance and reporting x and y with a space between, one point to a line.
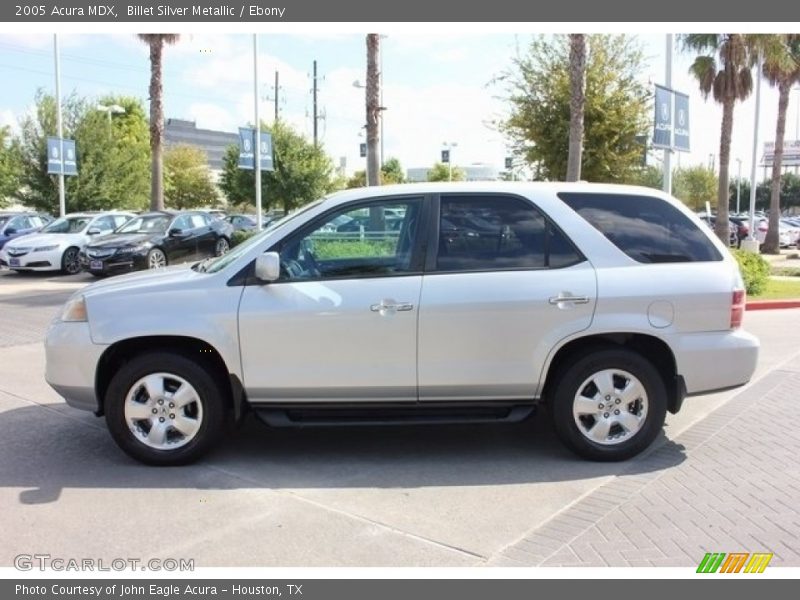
738 184
257 141
449 146
751 243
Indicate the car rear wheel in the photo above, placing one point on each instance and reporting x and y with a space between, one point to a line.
221 247
164 409
609 405
70 261
156 259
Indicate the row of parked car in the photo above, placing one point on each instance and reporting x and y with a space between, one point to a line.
107 243
739 227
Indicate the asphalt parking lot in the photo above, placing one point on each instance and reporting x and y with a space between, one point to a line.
724 478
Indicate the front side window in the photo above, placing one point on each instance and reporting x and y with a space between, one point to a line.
480 233
647 229
148 224
370 240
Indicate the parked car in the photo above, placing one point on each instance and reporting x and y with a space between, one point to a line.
242 222
57 245
217 213
792 230
742 228
733 228
17 224
609 304
157 239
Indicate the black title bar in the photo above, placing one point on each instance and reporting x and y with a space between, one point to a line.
497 11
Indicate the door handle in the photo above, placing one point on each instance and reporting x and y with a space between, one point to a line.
390 306
556 300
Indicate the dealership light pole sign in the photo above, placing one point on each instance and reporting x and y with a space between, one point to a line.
61 157
247 142
671 122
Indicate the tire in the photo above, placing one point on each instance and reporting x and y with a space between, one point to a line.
221 246
156 259
142 419
70 262
628 421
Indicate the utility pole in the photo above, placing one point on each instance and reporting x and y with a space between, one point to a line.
62 201
257 136
668 151
315 103
277 87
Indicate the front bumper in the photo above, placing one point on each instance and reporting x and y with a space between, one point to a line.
716 360
71 362
34 261
114 264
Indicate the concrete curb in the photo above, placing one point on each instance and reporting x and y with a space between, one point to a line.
771 304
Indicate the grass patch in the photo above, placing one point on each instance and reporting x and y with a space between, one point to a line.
785 271
779 289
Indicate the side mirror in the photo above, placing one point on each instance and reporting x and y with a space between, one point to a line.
268 266
11 231
93 231
175 232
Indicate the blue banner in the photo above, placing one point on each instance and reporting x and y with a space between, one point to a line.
57 162
247 144
681 124
662 124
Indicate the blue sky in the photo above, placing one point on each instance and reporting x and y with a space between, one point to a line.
435 87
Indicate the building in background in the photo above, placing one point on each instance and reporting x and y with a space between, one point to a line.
473 172
213 143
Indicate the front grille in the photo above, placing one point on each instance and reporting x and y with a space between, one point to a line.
99 253
18 251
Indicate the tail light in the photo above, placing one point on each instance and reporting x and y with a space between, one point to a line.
737 308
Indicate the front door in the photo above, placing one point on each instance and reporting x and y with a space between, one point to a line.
341 322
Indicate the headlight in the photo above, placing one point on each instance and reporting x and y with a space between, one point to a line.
74 310
45 248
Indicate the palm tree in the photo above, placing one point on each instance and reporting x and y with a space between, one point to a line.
156 41
577 78
373 108
782 71
722 69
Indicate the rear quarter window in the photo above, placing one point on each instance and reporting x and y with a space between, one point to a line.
646 228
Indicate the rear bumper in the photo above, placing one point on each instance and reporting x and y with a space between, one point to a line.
71 361
716 360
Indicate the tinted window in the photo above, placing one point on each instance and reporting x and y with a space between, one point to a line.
647 229
479 233
371 240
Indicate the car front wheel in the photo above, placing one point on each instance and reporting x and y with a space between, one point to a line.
609 405
156 259
164 409
70 261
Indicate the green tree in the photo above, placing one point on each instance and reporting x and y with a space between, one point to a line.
156 43
647 176
10 166
695 186
616 108
303 172
113 156
441 172
391 172
187 179
722 69
782 70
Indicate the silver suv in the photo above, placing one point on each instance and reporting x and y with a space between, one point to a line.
423 303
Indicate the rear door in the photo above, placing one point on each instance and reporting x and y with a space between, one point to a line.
502 286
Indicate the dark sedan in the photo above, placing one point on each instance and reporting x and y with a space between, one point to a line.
157 239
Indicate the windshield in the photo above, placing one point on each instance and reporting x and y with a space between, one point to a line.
150 224
67 225
223 261
3 221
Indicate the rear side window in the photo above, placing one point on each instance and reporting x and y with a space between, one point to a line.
480 233
647 229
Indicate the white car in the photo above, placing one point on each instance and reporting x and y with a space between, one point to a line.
610 304
57 245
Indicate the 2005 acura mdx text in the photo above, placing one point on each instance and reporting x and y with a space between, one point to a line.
448 302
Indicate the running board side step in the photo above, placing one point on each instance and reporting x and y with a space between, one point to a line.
352 416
